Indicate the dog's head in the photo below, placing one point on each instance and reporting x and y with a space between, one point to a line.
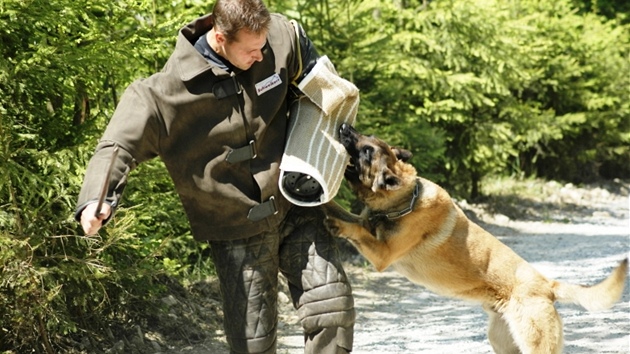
375 167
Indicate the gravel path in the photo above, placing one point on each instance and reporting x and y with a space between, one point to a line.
580 244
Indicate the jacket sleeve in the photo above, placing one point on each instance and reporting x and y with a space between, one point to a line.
135 127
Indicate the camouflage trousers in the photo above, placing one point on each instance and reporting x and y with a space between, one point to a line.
304 252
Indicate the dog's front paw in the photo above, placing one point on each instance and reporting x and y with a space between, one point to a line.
334 226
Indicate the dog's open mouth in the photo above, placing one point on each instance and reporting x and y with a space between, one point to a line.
350 164
346 137
351 173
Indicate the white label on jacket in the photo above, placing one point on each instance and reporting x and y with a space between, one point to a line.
267 84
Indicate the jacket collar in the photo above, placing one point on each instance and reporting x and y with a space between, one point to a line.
187 59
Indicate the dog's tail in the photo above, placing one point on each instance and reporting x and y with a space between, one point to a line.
597 297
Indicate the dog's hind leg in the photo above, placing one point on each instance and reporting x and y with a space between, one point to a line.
499 334
535 325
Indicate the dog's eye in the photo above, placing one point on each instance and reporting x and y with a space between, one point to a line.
367 151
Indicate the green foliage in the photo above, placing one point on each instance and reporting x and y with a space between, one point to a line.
356 35
64 64
612 9
575 76
483 87
53 282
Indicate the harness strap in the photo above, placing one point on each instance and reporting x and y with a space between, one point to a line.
226 88
263 210
247 152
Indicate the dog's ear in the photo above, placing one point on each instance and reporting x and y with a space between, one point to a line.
392 182
402 154
386 180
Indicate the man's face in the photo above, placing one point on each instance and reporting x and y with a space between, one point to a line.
245 50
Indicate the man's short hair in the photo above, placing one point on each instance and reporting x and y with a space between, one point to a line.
230 16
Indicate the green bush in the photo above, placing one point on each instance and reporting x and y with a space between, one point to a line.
64 64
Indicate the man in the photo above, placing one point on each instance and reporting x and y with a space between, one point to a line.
217 116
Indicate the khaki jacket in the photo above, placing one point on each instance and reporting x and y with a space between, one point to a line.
184 115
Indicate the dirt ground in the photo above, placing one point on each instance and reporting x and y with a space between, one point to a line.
572 234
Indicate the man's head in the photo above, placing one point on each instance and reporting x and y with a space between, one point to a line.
240 31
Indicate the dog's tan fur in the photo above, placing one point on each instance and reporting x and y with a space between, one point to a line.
437 246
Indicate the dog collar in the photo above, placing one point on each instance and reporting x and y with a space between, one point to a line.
399 214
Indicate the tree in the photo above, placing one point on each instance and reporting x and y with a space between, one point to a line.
498 88
574 63
611 9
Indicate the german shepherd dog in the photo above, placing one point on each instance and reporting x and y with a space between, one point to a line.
413 225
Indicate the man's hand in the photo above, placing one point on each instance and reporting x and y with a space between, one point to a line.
90 223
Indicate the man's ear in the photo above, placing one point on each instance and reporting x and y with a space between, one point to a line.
219 38
402 154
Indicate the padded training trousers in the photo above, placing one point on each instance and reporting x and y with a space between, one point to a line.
308 257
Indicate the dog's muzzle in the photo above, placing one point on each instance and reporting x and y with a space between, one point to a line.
347 136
